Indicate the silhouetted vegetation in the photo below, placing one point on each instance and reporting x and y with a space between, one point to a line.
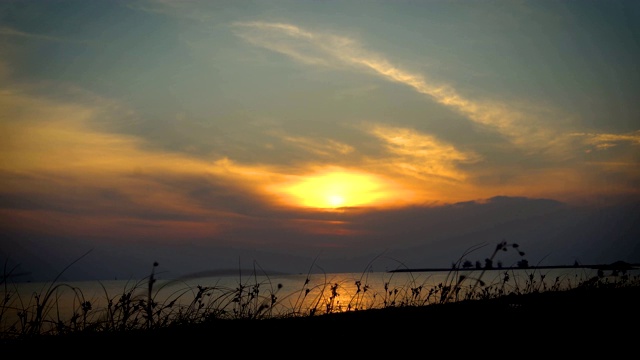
145 305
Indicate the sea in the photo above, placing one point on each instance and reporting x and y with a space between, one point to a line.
253 295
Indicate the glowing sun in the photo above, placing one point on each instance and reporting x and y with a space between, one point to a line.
336 189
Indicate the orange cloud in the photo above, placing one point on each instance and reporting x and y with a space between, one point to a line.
603 141
422 155
327 147
55 147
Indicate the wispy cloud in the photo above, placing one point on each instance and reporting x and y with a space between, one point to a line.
603 141
8 31
177 8
324 49
422 155
56 146
322 147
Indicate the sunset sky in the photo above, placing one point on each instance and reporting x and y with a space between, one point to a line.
196 132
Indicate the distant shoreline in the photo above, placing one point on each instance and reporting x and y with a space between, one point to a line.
618 265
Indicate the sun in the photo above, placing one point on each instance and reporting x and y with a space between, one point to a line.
335 200
335 189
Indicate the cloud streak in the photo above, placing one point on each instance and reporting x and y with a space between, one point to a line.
323 49
9 31
421 155
54 159
602 141
326 147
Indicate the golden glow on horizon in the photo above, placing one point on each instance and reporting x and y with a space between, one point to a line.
53 150
337 189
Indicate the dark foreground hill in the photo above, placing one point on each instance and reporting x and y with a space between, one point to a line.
579 319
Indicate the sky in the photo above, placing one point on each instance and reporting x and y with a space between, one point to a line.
329 136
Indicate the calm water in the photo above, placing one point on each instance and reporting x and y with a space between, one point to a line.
285 294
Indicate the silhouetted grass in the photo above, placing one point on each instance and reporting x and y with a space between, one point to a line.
147 305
